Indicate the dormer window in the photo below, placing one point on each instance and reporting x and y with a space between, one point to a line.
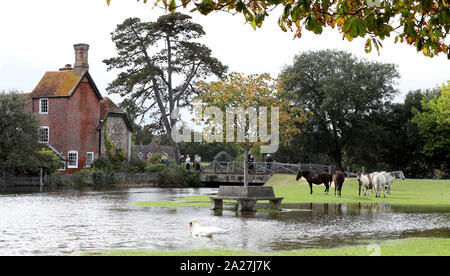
43 106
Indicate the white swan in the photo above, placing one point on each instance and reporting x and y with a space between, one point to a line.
197 230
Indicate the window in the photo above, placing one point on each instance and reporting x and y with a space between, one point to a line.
72 160
62 165
89 159
44 134
149 154
43 106
141 155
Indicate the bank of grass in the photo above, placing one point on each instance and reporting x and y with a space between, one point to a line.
402 247
410 192
406 192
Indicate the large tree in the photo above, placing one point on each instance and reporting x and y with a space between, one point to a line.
18 134
434 125
341 92
254 112
160 61
423 24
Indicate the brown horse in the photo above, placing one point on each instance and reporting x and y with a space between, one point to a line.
315 178
338 178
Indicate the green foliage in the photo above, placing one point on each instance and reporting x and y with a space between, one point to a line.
115 154
154 158
49 160
18 134
148 70
136 165
101 179
422 24
223 156
434 125
103 164
178 176
155 167
343 96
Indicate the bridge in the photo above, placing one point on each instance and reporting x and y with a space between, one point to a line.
232 173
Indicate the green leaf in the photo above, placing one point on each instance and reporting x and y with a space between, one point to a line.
172 5
368 46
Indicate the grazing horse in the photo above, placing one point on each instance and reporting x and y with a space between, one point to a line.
365 181
379 183
338 178
315 178
390 177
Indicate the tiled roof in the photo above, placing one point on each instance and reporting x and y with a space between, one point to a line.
107 106
62 84
57 84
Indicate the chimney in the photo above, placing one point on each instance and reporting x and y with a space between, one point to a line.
68 67
81 58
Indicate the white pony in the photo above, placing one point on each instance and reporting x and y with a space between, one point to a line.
365 181
379 182
197 230
390 177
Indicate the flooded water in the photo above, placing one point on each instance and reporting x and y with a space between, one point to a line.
67 222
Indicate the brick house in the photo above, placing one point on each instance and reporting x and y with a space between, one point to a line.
75 120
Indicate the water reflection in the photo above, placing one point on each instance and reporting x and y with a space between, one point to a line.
67 221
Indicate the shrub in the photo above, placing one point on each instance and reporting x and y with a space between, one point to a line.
154 168
102 164
136 166
177 176
155 158
101 179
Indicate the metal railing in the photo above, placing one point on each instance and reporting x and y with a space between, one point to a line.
262 168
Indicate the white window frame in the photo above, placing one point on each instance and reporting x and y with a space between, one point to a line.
92 161
76 160
48 135
64 168
40 105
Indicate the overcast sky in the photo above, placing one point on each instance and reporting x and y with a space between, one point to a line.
38 36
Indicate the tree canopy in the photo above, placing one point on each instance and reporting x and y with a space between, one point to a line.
249 103
341 92
160 62
18 133
423 24
434 125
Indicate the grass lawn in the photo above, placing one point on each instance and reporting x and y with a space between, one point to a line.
403 247
408 192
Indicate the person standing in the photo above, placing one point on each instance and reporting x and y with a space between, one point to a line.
181 160
188 162
199 160
269 161
250 162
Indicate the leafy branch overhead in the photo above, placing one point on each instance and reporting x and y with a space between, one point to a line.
423 24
